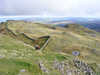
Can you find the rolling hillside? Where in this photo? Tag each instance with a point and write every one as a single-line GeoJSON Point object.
{"type": "Point", "coordinates": [57, 58]}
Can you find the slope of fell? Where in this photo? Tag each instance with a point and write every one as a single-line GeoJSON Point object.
{"type": "Point", "coordinates": [58, 52]}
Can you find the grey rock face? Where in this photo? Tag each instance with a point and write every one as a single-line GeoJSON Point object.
{"type": "Point", "coordinates": [59, 66]}
{"type": "Point", "coordinates": [65, 68]}
{"type": "Point", "coordinates": [76, 67]}
{"type": "Point", "coordinates": [84, 67]}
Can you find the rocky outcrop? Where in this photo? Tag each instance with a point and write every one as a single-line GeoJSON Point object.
{"type": "Point", "coordinates": [43, 68]}
{"type": "Point", "coordinates": [59, 66]}
{"type": "Point", "coordinates": [65, 68]}
{"type": "Point", "coordinates": [75, 67]}
{"type": "Point", "coordinates": [85, 68]}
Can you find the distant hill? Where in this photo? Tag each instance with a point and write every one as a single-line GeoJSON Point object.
{"type": "Point", "coordinates": [91, 23]}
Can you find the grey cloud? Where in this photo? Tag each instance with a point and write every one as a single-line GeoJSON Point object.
{"type": "Point", "coordinates": [50, 7]}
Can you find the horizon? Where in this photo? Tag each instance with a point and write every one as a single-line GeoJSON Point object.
{"type": "Point", "coordinates": [39, 16]}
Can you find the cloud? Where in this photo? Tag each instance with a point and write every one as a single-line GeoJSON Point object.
{"type": "Point", "coordinates": [73, 8]}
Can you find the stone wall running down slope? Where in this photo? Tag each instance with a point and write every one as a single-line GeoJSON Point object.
{"type": "Point", "coordinates": [38, 43]}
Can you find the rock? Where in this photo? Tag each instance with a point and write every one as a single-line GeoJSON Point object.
{"type": "Point", "coordinates": [68, 72]}
{"type": "Point", "coordinates": [77, 72]}
{"type": "Point", "coordinates": [78, 68]}
{"type": "Point", "coordinates": [22, 70]}
{"type": "Point", "coordinates": [43, 68]}
{"type": "Point", "coordinates": [84, 67]}
{"type": "Point", "coordinates": [62, 67]}
{"type": "Point", "coordinates": [2, 56]}
{"type": "Point", "coordinates": [59, 66]}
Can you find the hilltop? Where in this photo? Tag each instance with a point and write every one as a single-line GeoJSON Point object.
{"type": "Point", "coordinates": [17, 57]}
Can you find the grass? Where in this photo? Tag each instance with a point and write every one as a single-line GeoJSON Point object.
{"type": "Point", "coordinates": [13, 67]}
{"type": "Point", "coordinates": [18, 55]}
{"type": "Point", "coordinates": [23, 37]}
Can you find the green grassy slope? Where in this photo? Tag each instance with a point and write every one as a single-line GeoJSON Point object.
{"type": "Point", "coordinates": [16, 55]}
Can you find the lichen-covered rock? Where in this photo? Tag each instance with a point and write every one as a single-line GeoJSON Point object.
{"type": "Point", "coordinates": [65, 68]}
{"type": "Point", "coordinates": [60, 66]}
{"type": "Point", "coordinates": [84, 67]}
{"type": "Point", "coordinates": [43, 68]}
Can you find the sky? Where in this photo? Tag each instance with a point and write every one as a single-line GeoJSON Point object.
{"type": "Point", "coordinates": [66, 8]}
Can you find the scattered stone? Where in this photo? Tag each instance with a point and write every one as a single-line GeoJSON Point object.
{"type": "Point", "coordinates": [43, 68]}
{"type": "Point", "coordinates": [2, 56]}
{"type": "Point", "coordinates": [59, 66]}
{"type": "Point", "coordinates": [77, 72]}
{"type": "Point", "coordinates": [67, 68]}
{"type": "Point", "coordinates": [22, 70]}
{"type": "Point", "coordinates": [68, 72]}
{"type": "Point", "coordinates": [84, 67]}
{"type": "Point", "coordinates": [62, 67]}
